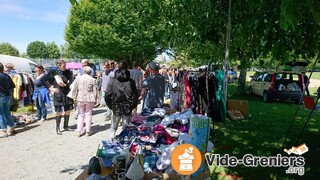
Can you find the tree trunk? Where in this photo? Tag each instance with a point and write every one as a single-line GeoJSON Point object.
{"type": "Point", "coordinates": [242, 81]}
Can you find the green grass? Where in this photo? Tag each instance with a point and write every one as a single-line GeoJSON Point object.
{"type": "Point", "coordinates": [262, 134]}
{"type": "Point", "coordinates": [315, 75]}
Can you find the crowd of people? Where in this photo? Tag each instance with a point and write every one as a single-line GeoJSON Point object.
{"type": "Point", "coordinates": [118, 90]}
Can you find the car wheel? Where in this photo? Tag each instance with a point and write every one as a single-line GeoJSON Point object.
{"type": "Point", "coordinates": [250, 90]}
{"type": "Point", "coordinates": [267, 96]}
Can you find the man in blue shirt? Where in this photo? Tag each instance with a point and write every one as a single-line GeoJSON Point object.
{"type": "Point", "coordinates": [156, 85]}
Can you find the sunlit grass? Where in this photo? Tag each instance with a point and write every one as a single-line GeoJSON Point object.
{"type": "Point", "coordinates": [263, 134]}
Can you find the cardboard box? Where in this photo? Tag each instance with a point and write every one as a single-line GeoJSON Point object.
{"type": "Point", "coordinates": [239, 105]}
{"type": "Point", "coordinates": [235, 115]}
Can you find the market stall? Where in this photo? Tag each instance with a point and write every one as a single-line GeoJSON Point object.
{"type": "Point", "coordinates": [143, 149]}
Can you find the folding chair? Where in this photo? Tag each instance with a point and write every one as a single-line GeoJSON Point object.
{"type": "Point", "coordinates": [310, 104]}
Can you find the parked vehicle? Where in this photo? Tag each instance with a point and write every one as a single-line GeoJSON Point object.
{"type": "Point", "coordinates": [75, 67]}
{"type": "Point", "coordinates": [286, 85]}
{"type": "Point", "coordinates": [232, 75]}
{"type": "Point", "coordinates": [20, 64]}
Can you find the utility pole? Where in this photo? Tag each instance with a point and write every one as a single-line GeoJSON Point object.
{"type": "Point", "coordinates": [226, 61]}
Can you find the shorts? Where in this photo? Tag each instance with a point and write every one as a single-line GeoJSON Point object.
{"type": "Point", "coordinates": [65, 108]}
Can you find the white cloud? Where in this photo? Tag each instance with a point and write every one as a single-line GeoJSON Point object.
{"type": "Point", "coordinates": [43, 12]}
{"type": "Point", "coordinates": [10, 8]}
{"type": "Point", "coordinates": [55, 16]}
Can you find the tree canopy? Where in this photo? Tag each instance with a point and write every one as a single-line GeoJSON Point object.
{"type": "Point", "coordinates": [262, 31]}
{"type": "Point", "coordinates": [8, 49]}
{"type": "Point", "coordinates": [112, 29]}
{"type": "Point", "coordinates": [37, 49]}
{"type": "Point", "coordinates": [53, 50]}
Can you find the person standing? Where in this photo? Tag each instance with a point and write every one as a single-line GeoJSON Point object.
{"type": "Point", "coordinates": [155, 84]}
{"type": "Point", "coordinates": [136, 75]}
{"type": "Point", "coordinates": [6, 88]}
{"type": "Point", "coordinates": [121, 97]}
{"type": "Point", "coordinates": [99, 85]}
{"type": "Point", "coordinates": [144, 91]}
{"type": "Point", "coordinates": [85, 62]}
{"type": "Point", "coordinates": [41, 96]}
{"type": "Point", "coordinates": [105, 80]}
{"type": "Point", "coordinates": [306, 82]}
{"type": "Point", "coordinates": [60, 80]}
{"type": "Point", "coordinates": [10, 69]}
{"type": "Point", "coordinates": [86, 88]}
{"type": "Point", "coordinates": [166, 78]}
{"type": "Point", "coordinates": [171, 79]}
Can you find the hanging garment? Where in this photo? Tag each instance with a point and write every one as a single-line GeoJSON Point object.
{"type": "Point", "coordinates": [220, 96]}
{"type": "Point", "coordinates": [187, 91]}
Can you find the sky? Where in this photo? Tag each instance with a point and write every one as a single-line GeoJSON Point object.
{"type": "Point", "coordinates": [25, 21]}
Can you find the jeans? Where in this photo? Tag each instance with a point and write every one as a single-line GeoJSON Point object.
{"type": "Point", "coordinates": [85, 114]}
{"type": "Point", "coordinates": [167, 90]}
{"type": "Point", "coordinates": [115, 122]}
{"type": "Point", "coordinates": [41, 107]}
{"type": "Point", "coordinates": [5, 117]}
{"type": "Point", "coordinates": [102, 101]}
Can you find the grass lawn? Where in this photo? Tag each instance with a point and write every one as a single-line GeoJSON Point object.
{"type": "Point", "coordinates": [315, 75]}
{"type": "Point", "coordinates": [262, 134]}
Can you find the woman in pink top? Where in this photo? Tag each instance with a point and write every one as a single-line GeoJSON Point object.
{"type": "Point", "coordinates": [86, 88]}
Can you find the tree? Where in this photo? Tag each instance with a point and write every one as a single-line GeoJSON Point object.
{"type": "Point", "coordinates": [279, 30]}
{"type": "Point", "coordinates": [116, 30]}
{"type": "Point", "coordinates": [258, 33]}
{"type": "Point", "coordinates": [53, 50]}
{"type": "Point", "coordinates": [37, 49]}
{"type": "Point", "coordinates": [65, 51]}
{"type": "Point", "coordinates": [293, 12]}
{"type": "Point", "coordinates": [8, 49]}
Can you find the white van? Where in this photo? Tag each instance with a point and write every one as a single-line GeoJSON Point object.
{"type": "Point", "coordinates": [20, 64]}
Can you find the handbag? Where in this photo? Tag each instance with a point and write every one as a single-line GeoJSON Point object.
{"type": "Point", "coordinates": [73, 93]}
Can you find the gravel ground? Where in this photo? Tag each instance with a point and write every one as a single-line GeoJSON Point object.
{"type": "Point", "coordinates": [36, 152]}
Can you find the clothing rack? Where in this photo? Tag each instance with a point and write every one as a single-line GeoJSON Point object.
{"type": "Point", "coordinates": [207, 72]}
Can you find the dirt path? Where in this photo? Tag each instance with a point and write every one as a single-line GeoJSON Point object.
{"type": "Point", "coordinates": [36, 152]}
